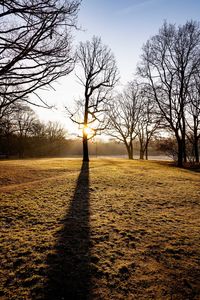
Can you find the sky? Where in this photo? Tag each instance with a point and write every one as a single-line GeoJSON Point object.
{"type": "Point", "coordinates": [124, 26]}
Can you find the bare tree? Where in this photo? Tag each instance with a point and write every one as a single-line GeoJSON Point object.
{"type": "Point", "coordinates": [16, 126]}
{"type": "Point", "coordinates": [23, 134]}
{"type": "Point", "coordinates": [6, 132]}
{"type": "Point", "coordinates": [54, 131]}
{"type": "Point", "coordinates": [35, 45]}
{"type": "Point", "coordinates": [169, 60]}
{"type": "Point", "coordinates": [123, 117]}
{"type": "Point", "coordinates": [193, 121]}
{"type": "Point", "coordinates": [148, 119]}
{"type": "Point", "coordinates": [23, 119]}
{"type": "Point", "coordinates": [99, 76]}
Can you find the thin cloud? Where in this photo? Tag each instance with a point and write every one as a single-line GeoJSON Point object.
{"type": "Point", "coordinates": [131, 8]}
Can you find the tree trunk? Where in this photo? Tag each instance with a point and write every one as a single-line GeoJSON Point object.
{"type": "Point", "coordinates": [196, 141]}
{"type": "Point", "coordinates": [130, 156]}
{"type": "Point", "coordinates": [180, 152]}
{"type": "Point", "coordinates": [146, 152]}
{"type": "Point", "coordinates": [8, 146]}
{"type": "Point", "coordinates": [21, 146]}
{"type": "Point", "coordinates": [141, 154]}
{"type": "Point", "coordinates": [130, 153]}
{"type": "Point", "coordinates": [85, 136]}
{"type": "Point", "coordinates": [196, 150]}
{"type": "Point", "coordinates": [129, 149]}
{"type": "Point", "coordinates": [184, 145]}
{"type": "Point", "coordinates": [85, 148]}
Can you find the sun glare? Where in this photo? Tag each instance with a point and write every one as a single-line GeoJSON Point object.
{"type": "Point", "coordinates": [88, 131]}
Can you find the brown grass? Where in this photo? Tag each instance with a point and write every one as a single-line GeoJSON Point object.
{"type": "Point", "coordinates": [117, 230]}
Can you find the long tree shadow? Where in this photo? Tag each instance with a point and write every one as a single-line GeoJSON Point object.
{"type": "Point", "coordinates": [69, 272]}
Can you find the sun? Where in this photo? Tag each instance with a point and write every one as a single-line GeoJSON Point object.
{"type": "Point", "coordinates": [88, 131]}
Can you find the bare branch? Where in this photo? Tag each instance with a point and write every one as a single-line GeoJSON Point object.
{"type": "Point", "coordinates": [35, 45]}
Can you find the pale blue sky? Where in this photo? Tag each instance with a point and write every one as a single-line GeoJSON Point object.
{"type": "Point", "coordinates": [124, 25]}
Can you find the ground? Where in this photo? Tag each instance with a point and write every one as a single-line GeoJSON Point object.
{"type": "Point", "coordinates": [110, 229]}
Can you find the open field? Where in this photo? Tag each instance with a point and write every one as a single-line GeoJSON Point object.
{"type": "Point", "coordinates": [113, 229]}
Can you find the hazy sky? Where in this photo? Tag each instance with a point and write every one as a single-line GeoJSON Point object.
{"type": "Point", "coordinates": [124, 25]}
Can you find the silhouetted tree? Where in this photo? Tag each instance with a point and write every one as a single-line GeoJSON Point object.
{"type": "Point", "coordinates": [148, 119]}
{"type": "Point", "coordinates": [7, 131]}
{"type": "Point", "coordinates": [23, 119]}
{"type": "Point", "coordinates": [98, 78]}
{"type": "Point", "coordinates": [23, 134]}
{"type": "Point", "coordinates": [169, 61]}
{"type": "Point", "coordinates": [168, 145]}
{"type": "Point", "coordinates": [123, 116]}
{"type": "Point", "coordinates": [35, 45]}
{"type": "Point", "coordinates": [193, 121]}
{"type": "Point", "coordinates": [54, 131]}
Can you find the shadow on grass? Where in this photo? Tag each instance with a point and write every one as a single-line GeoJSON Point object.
{"type": "Point", "coordinates": [69, 273]}
{"type": "Point", "coordinates": [193, 167]}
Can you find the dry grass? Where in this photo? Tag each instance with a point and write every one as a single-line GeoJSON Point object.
{"type": "Point", "coordinates": [116, 230]}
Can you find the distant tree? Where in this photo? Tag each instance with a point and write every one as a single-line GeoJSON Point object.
{"type": "Point", "coordinates": [148, 119]}
{"type": "Point", "coordinates": [168, 145]}
{"type": "Point", "coordinates": [54, 131]}
{"type": "Point", "coordinates": [123, 116]}
{"type": "Point", "coordinates": [15, 125]}
{"type": "Point", "coordinates": [38, 129]}
{"type": "Point", "coordinates": [6, 111]}
{"type": "Point", "coordinates": [46, 139]}
{"type": "Point", "coordinates": [99, 76]}
{"type": "Point", "coordinates": [23, 134]}
{"type": "Point", "coordinates": [193, 120]}
{"type": "Point", "coordinates": [6, 135]}
{"type": "Point", "coordinates": [169, 61]}
{"type": "Point", "coordinates": [23, 120]}
{"type": "Point", "coordinates": [35, 46]}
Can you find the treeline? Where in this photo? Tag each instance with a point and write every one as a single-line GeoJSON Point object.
{"type": "Point", "coordinates": [23, 135]}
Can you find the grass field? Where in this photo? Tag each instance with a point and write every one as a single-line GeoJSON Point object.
{"type": "Point", "coordinates": [113, 229]}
